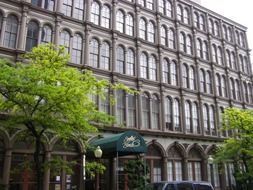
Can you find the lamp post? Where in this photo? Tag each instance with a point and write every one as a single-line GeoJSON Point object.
{"type": "Point", "coordinates": [210, 162]}
{"type": "Point", "coordinates": [98, 154]}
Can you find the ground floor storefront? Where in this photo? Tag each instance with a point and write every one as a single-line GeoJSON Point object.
{"type": "Point", "coordinates": [166, 158]}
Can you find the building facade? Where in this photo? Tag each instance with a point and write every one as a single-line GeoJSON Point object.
{"type": "Point", "coordinates": [188, 63]}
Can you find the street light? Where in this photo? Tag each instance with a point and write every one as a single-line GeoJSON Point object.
{"type": "Point", "coordinates": [210, 162]}
{"type": "Point", "coordinates": [98, 154]}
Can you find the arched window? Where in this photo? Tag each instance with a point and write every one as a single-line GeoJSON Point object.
{"type": "Point", "coordinates": [205, 51]}
{"type": "Point", "coordinates": [163, 36]}
{"type": "Point", "coordinates": [152, 68]}
{"type": "Point", "coordinates": [185, 76]}
{"type": "Point", "coordinates": [232, 88]}
{"type": "Point", "coordinates": [166, 73]}
{"type": "Point", "coordinates": [211, 26]}
{"type": "Point", "coordinates": [182, 41]}
{"type": "Point", "coordinates": [176, 109]}
{"type": "Point", "coordinates": [169, 11]}
{"type": "Point", "coordinates": [131, 122]}
{"type": "Point", "coordinates": [202, 80]}
{"type": "Point", "coordinates": [233, 61]}
{"type": "Point", "coordinates": [241, 61]}
{"type": "Point", "coordinates": [228, 57]}
{"type": "Point", "coordinates": [168, 114]}
{"type": "Point", "coordinates": [65, 39]}
{"type": "Point", "coordinates": [192, 78]}
{"type": "Point", "coordinates": [32, 35]}
{"type": "Point", "coordinates": [144, 66]}
{"type": "Point", "coordinates": [208, 83]}
{"type": "Point", "coordinates": [180, 13]}
{"type": "Point", "coordinates": [195, 118]}
{"type": "Point", "coordinates": [196, 19]}
{"type": "Point", "coordinates": [106, 16]}
{"type": "Point", "coordinates": [223, 86]}
{"type": "Point", "coordinates": [151, 32]}
{"type": "Point", "coordinates": [173, 71]}
{"type": "Point", "coordinates": [67, 7]}
{"type": "Point", "coordinates": [188, 117]}
{"type": "Point", "coordinates": [49, 5]}
{"type": "Point", "coordinates": [189, 44]}
{"type": "Point", "coordinates": [230, 37]}
{"type": "Point", "coordinates": [77, 49]}
{"type": "Point", "coordinates": [212, 120]}
{"type": "Point", "coordinates": [186, 16]}
{"type": "Point", "coordinates": [171, 38]}
{"type": "Point", "coordinates": [155, 112]}
{"type": "Point", "coordinates": [120, 66]}
{"type": "Point", "coordinates": [145, 111]}
{"type": "Point", "coordinates": [142, 29]}
{"type": "Point", "coordinates": [120, 21]}
{"type": "Point", "coordinates": [150, 4]}
{"type": "Point", "coordinates": [130, 67]}
{"type": "Point", "coordinates": [202, 25]}
{"type": "Point", "coordinates": [161, 7]}
{"type": "Point", "coordinates": [216, 29]}
{"type": "Point", "coordinates": [206, 119]}
{"type": "Point", "coordinates": [174, 165]}
{"type": "Point", "coordinates": [121, 106]}
{"type": "Point", "coordinates": [46, 34]}
{"type": "Point", "coordinates": [225, 32]}
{"type": "Point", "coordinates": [94, 53]}
{"type": "Point", "coordinates": [237, 90]}
{"type": "Point", "coordinates": [246, 70]}
{"type": "Point", "coordinates": [237, 38]}
{"type": "Point", "coordinates": [105, 56]}
{"type": "Point", "coordinates": [245, 89]}
{"type": "Point", "coordinates": [199, 48]}
{"type": "Point", "coordinates": [242, 39]}
{"type": "Point", "coordinates": [11, 31]}
{"type": "Point", "coordinates": [214, 52]}
{"type": "Point", "coordinates": [218, 85]}
{"type": "Point", "coordinates": [79, 9]}
{"type": "Point", "coordinates": [219, 56]}
{"type": "Point", "coordinates": [105, 103]}
{"type": "Point", "coordinates": [95, 13]}
{"type": "Point", "coordinates": [194, 165]}
{"type": "Point", "coordinates": [129, 25]}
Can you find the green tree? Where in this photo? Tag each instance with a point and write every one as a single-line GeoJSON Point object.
{"type": "Point", "coordinates": [239, 147]}
{"type": "Point", "coordinates": [43, 94]}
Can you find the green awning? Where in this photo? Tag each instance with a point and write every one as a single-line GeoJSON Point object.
{"type": "Point", "coordinates": [127, 143]}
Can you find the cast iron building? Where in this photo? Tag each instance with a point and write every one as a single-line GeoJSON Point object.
{"type": "Point", "coordinates": [188, 63]}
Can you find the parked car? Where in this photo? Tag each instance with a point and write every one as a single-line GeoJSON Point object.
{"type": "Point", "coordinates": [179, 185]}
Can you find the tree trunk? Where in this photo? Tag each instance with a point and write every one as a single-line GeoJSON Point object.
{"type": "Point", "coordinates": [38, 163]}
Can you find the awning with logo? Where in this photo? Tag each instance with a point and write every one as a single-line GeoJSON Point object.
{"type": "Point", "coordinates": [122, 144]}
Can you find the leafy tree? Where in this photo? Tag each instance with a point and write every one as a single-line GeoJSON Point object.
{"type": "Point", "coordinates": [239, 147]}
{"type": "Point", "coordinates": [43, 94]}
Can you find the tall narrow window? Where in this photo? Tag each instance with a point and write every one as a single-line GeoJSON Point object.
{"type": "Point", "coordinates": [185, 75]}
{"type": "Point", "coordinates": [130, 62]}
{"type": "Point", "coordinates": [105, 56]}
{"type": "Point", "coordinates": [219, 56]}
{"type": "Point", "coordinates": [67, 7]}
{"type": "Point", "coordinates": [105, 103]}
{"type": "Point", "coordinates": [186, 16]}
{"type": "Point", "coordinates": [120, 21]}
{"type": "Point", "coordinates": [199, 48]}
{"type": "Point", "coordinates": [120, 67]}
{"type": "Point", "coordinates": [211, 26]}
{"type": "Point", "coordinates": [212, 120]}
{"type": "Point", "coordinates": [78, 11]}
{"type": "Point", "coordinates": [152, 68]}
{"type": "Point", "coordinates": [182, 41]}
{"type": "Point", "coordinates": [145, 111]}
{"type": "Point", "coordinates": [173, 69]}
{"type": "Point", "coordinates": [11, 31]}
{"type": "Point", "coordinates": [106, 17]}
{"type": "Point", "coordinates": [121, 107]}
{"type": "Point", "coordinates": [129, 25]}
{"type": "Point", "coordinates": [49, 5]}
{"type": "Point", "coordinates": [205, 51]}
{"type": "Point", "coordinates": [179, 13]}
{"type": "Point", "coordinates": [168, 114]}
{"type": "Point", "coordinates": [46, 35]}
{"type": "Point", "coordinates": [94, 53]}
{"type": "Point", "coordinates": [223, 86]}
{"type": "Point", "coordinates": [205, 118]}
{"type": "Point", "coordinates": [155, 112]}
{"type": "Point", "coordinates": [192, 78]}
{"type": "Point", "coordinates": [218, 85]}
{"type": "Point", "coordinates": [150, 4]}
{"type": "Point", "coordinates": [151, 32]}
{"type": "Point", "coordinates": [195, 118]}
{"type": "Point", "coordinates": [171, 38]}
{"type": "Point", "coordinates": [189, 44]}
{"type": "Point", "coordinates": [1, 21]}
{"type": "Point", "coordinates": [169, 12]}
{"type": "Point", "coordinates": [32, 35]}
{"type": "Point", "coordinates": [144, 66]}
{"type": "Point", "coordinates": [237, 90]}
{"type": "Point", "coordinates": [202, 80]}
{"type": "Point", "coordinates": [214, 52]}
{"type": "Point", "coordinates": [216, 29]}
{"type": "Point", "coordinates": [166, 74]}
{"type": "Point", "coordinates": [65, 40]}
{"type": "Point", "coordinates": [95, 13]}
{"type": "Point", "coordinates": [232, 88]}
{"type": "Point", "coordinates": [161, 7]}
{"type": "Point", "coordinates": [209, 83]}
{"type": "Point", "coordinates": [196, 19]}
{"type": "Point", "coordinates": [177, 115]}
{"type": "Point", "coordinates": [202, 23]}
{"type": "Point", "coordinates": [142, 29]}
{"type": "Point", "coordinates": [131, 110]}
{"type": "Point", "coordinates": [77, 49]}
{"type": "Point", "coordinates": [188, 116]}
{"type": "Point", "coordinates": [163, 36]}
{"type": "Point", "coordinates": [230, 37]}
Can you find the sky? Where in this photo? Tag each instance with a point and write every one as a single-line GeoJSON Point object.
{"type": "Point", "coordinates": [238, 11]}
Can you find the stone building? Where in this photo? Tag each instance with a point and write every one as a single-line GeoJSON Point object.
{"type": "Point", "coordinates": [188, 62]}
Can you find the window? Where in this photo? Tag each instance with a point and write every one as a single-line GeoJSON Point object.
{"type": "Point", "coordinates": [218, 85]}
{"type": "Point", "coordinates": [219, 56]}
{"type": "Point", "coordinates": [242, 39]}
{"type": "Point", "coordinates": [202, 25]}
{"type": "Point", "coordinates": [32, 35]}
{"type": "Point", "coordinates": [161, 7]}
{"type": "Point", "coordinates": [106, 17]}
{"type": "Point", "coordinates": [195, 118]}
{"type": "Point", "coordinates": [163, 36]}
{"type": "Point", "coordinates": [212, 120]}
{"type": "Point", "coordinates": [150, 4]}
{"type": "Point", "coordinates": [230, 37]}
{"type": "Point", "coordinates": [79, 8]}
{"type": "Point", "coordinates": [46, 35]}
{"type": "Point", "coordinates": [10, 35]}
{"type": "Point", "coordinates": [188, 116]}
{"type": "Point", "coordinates": [1, 22]}
{"type": "Point", "coordinates": [202, 80]}
{"type": "Point", "coordinates": [131, 110]}
{"type": "Point", "coordinates": [120, 67]}
{"type": "Point", "coordinates": [144, 66]}
{"type": "Point", "coordinates": [67, 7]}
{"type": "Point", "coordinates": [176, 109]}
{"type": "Point", "coordinates": [223, 86]}
{"type": "Point", "coordinates": [205, 51]}
{"type": "Point", "coordinates": [173, 70]}
{"type": "Point", "coordinates": [65, 40]}
{"type": "Point", "coordinates": [199, 48]}
{"type": "Point", "coordinates": [77, 49]}
{"type": "Point", "coordinates": [169, 12]}
{"type": "Point", "coordinates": [95, 13]}
{"type": "Point", "coordinates": [211, 26]}
{"type": "Point", "coordinates": [151, 32]}
{"type": "Point", "coordinates": [168, 113]}
{"type": "Point", "coordinates": [225, 32]}
{"type": "Point", "coordinates": [36, 2]}
{"type": "Point", "coordinates": [142, 29]}
{"type": "Point", "coordinates": [196, 19]}
{"type": "Point", "coordinates": [216, 29]}
{"type": "Point", "coordinates": [120, 21]}
{"type": "Point", "coordinates": [171, 38]}
{"type": "Point", "coordinates": [237, 90]}
{"type": "Point", "coordinates": [105, 56]}
{"type": "Point", "coordinates": [185, 75]}
{"type": "Point", "coordinates": [232, 88]}
{"type": "Point", "coordinates": [49, 4]}
{"type": "Point", "coordinates": [180, 13]}
{"type": "Point", "coordinates": [189, 44]}
{"type": "Point", "coordinates": [214, 51]}
{"type": "Point", "coordinates": [94, 53]}
{"type": "Point", "coordinates": [208, 83]}
{"type": "Point", "coordinates": [166, 73]}
{"type": "Point", "coordinates": [155, 112]}
{"type": "Point", "coordinates": [182, 41]}
{"type": "Point", "coordinates": [129, 25]}
{"type": "Point", "coordinates": [206, 119]}
{"type": "Point", "coordinates": [120, 107]}
{"type": "Point", "coordinates": [130, 67]}
{"type": "Point", "coordinates": [145, 111]}
{"type": "Point", "coordinates": [105, 103]}
{"type": "Point", "coordinates": [246, 70]}
{"type": "Point", "coordinates": [152, 68]}
{"type": "Point", "coordinates": [192, 78]}
{"type": "Point", "coordinates": [186, 16]}
{"type": "Point", "coordinates": [174, 166]}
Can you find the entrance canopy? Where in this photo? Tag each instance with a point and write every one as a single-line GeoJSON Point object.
{"type": "Point", "coordinates": [127, 143]}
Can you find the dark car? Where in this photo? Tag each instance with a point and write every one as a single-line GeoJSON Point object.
{"type": "Point", "coordinates": [179, 185]}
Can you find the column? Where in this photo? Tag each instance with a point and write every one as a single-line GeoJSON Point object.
{"type": "Point", "coordinates": [204, 170]}
{"type": "Point", "coordinates": [7, 168]}
{"type": "Point", "coordinates": [162, 110]}
{"type": "Point", "coordinates": [39, 34]}
{"type": "Point", "coordinates": [201, 121]}
{"type": "Point", "coordinates": [182, 110]}
{"type": "Point", "coordinates": [185, 168]}
{"type": "Point", "coordinates": [139, 105]}
{"type": "Point", "coordinates": [114, 41]}
{"type": "Point", "coordinates": [22, 31]}
{"type": "Point", "coordinates": [88, 10]}
{"type": "Point", "coordinates": [46, 178]}
{"type": "Point", "coordinates": [2, 31]}
{"type": "Point", "coordinates": [126, 109]}
{"type": "Point", "coordinates": [164, 169]}
{"type": "Point", "coordinates": [114, 4]}
{"type": "Point", "coordinates": [59, 5]}
{"type": "Point", "coordinates": [57, 30]}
